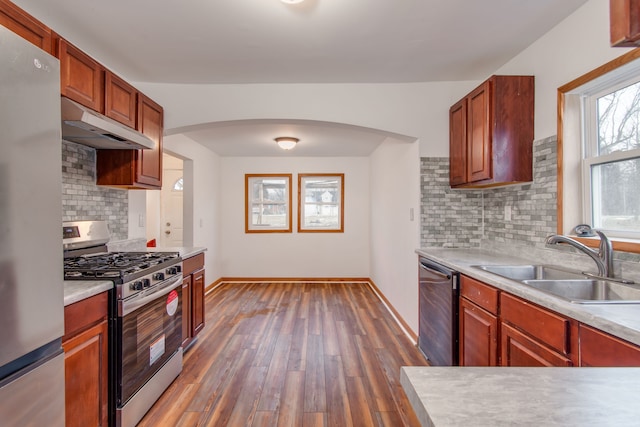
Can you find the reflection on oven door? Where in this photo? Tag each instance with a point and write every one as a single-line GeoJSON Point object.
{"type": "Point", "coordinates": [150, 336]}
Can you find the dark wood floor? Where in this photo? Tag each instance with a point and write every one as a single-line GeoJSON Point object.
{"type": "Point", "coordinates": [292, 354]}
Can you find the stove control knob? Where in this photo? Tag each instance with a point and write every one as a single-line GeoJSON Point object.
{"type": "Point", "coordinates": [178, 268]}
{"type": "Point", "coordinates": [172, 270]}
{"type": "Point", "coordinates": [138, 285]}
{"type": "Point", "coordinates": [146, 283]}
{"type": "Point", "coordinates": [158, 276]}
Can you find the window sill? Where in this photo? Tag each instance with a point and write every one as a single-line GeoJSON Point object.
{"type": "Point", "coordinates": [619, 244]}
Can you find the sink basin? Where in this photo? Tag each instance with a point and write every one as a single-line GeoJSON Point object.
{"type": "Point", "coordinates": [588, 291]}
{"type": "Point", "coordinates": [571, 285]}
{"type": "Point", "coordinates": [531, 272]}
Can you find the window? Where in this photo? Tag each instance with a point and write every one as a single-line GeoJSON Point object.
{"type": "Point", "coordinates": [268, 203]}
{"type": "Point", "coordinates": [599, 152]}
{"type": "Point", "coordinates": [178, 185]}
{"type": "Point", "coordinates": [611, 161]}
{"type": "Point", "coordinates": [321, 203]}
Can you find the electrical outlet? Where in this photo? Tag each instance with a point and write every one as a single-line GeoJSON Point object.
{"type": "Point", "coordinates": [507, 213]}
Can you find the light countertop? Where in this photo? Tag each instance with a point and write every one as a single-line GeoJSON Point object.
{"type": "Point", "coordinates": [455, 396]}
{"type": "Point", "coordinates": [185, 251]}
{"type": "Point", "coordinates": [621, 320]}
{"type": "Point", "coordinates": [77, 290]}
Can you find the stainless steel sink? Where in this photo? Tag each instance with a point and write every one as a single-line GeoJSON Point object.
{"type": "Point", "coordinates": [589, 291]}
{"type": "Point", "coordinates": [570, 285]}
{"type": "Point", "coordinates": [531, 272]}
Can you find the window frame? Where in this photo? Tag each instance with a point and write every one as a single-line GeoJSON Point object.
{"type": "Point", "coordinates": [590, 146]}
{"type": "Point", "coordinates": [568, 136]}
{"type": "Point", "coordinates": [302, 228]}
{"type": "Point", "coordinates": [249, 227]}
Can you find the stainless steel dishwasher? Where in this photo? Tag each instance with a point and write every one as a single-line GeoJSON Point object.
{"type": "Point", "coordinates": [438, 313]}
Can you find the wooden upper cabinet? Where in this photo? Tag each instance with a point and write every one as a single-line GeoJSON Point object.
{"type": "Point", "coordinates": [150, 123]}
{"type": "Point", "coordinates": [135, 169]}
{"type": "Point", "coordinates": [25, 25]}
{"type": "Point", "coordinates": [479, 134]}
{"type": "Point", "coordinates": [81, 77]}
{"type": "Point", "coordinates": [624, 16]}
{"type": "Point", "coordinates": [458, 143]}
{"type": "Point", "coordinates": [491, 134]}
{"type": "Point", "coordinates": [120, 100]}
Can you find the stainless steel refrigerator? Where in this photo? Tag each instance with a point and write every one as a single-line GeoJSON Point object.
{"type": "Point", "coordinates": [31, 277]}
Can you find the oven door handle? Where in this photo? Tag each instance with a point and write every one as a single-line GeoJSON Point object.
{"type": "Point", "coordinates": [128, 306]}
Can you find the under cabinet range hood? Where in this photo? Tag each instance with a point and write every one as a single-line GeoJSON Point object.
{"type": "Point", "coordinates": [87, 127]}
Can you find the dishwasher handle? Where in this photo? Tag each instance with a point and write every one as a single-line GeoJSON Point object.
{"type": "Point", "coordinates": [434, 269]}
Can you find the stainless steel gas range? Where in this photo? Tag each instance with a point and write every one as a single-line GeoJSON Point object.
{"type": "Point", "coordinates": [145, 316]}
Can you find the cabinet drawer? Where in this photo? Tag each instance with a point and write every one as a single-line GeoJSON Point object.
{"type": "Point", "coordinates": [192, 264]}
{"type": "Point", "coordinates": [83, 314]}
{"type": "Point", "coordinates": [483, 295]}
{"type": "Point", "coordinates": [544, 325]}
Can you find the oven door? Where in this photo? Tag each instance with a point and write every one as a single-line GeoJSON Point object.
{"type": "Point", "coordinates": [149, 331]}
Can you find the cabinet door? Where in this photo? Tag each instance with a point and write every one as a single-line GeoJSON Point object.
{"type": "Point", "coordinates": [81, 78]}
{"type": "Point", "coordinates": [197, 302]}
{"type": "Point", "coordinates": [518, 349]}
{"type": "Point", "coordinates": [86, 376]}
{"type": "Point", "coordinates": [135, 169]}
{"type": "Point", "coordinates": [479, 134]}
{"type": "Point", "coordinates": [624, 17]}
{"type": "Point", "coordinates": [186, 311]}
{"type": "Point", "coordinates": [25, 25]}
{"type": "Point", "coordinates": [600, 349]}
{"type": "Point", "coordinates": [120, 100]}
{"type": "Point", "coordinates": [458, 143]}
{"type": "Point", "coordinates": [478, 336]}
{"type": "Point", "coordinates": [150, 123]}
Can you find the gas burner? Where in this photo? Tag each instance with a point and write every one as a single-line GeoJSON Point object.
{"type": "Point", "coordinates": [120, 266]}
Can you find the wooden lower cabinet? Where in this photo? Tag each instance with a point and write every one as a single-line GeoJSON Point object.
{"type": "Point", "coordinates": [85, 346]}
{"type": "Point", "coordinates": [186, 310]}
{"type": "Point", "coordinates": [197, 302]}
{"type": "Point", "coordinates": [478, 335]}
{"type": "Point", "coordinates": [193, 300]}
{"type": "Point", "coordinates": [601, 349]}
{"type": "Point", "coordinates": [519, 349]}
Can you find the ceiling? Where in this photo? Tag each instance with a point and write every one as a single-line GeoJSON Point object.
{"type": "Point", "coordinates": [317, 41]}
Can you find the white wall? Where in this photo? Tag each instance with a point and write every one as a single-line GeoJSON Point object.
{"type": "Point", "coordinates": [295, 255]}
{"type": "Point", "coordinates": [395, 190]}
{"type": "Point", "coordinates": [574, 47]}
{"type": "Point", "coordinates": [418, 110]}
{"type": "Point", "coordinates": [201, 199]}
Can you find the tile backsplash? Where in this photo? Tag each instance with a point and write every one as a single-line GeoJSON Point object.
{"type": "Point", "coordinates": [463, 218]}
{"type": "Point", "coordinates": [477, 218]}
{"type": "Point", "coordinates": [82, 199]}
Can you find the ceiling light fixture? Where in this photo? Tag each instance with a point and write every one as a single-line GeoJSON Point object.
{"type": "Point", "coordinates": [286, 142]}
{"type": "Point", "coordinates": [291, 1]}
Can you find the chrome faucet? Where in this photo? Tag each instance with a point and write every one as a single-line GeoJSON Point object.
{"type": "Point", "coordinates": [603, 257]}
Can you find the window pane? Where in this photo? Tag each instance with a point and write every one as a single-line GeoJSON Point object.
{"type": "Point", "coordinates": [619, 120]}
{"type": "Point", "coordinates": [321, 202]}
{"type": "Point", "coordinates": [616, 199]}
{"type": "Point", "coordinates": [268, 200]}
{"type": "Point", "coordinates": [273, 190]}
{"type": "Point", "coordinates": [269, 215]}
{"type": "Point", "coordinates": [321, 216]}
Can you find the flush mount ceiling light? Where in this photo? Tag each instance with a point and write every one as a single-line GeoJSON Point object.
{"type": "Point", "coordinates": [291, 1]}
{"type": "Point", "coordinates": [286, 142]}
